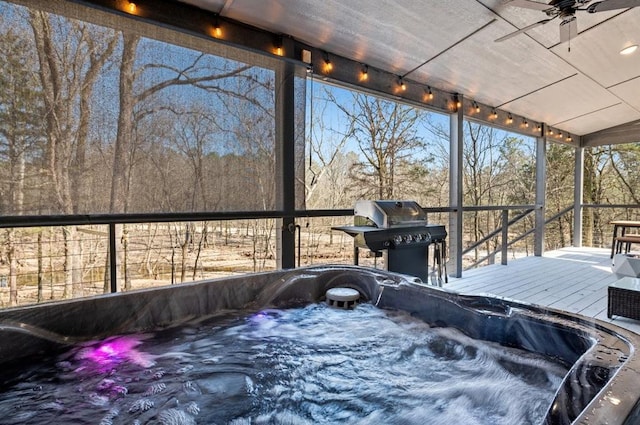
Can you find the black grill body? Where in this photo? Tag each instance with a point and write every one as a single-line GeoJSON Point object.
{"type": "Point", "coordinates": [398, 230]}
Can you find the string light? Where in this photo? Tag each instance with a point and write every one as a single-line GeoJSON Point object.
{"type": "Point", "coordinates": [217, 30]}
{"type": "Point", "coordinates": [401, 83]}
{"type": "Point", "coordinates": [509, 119]}
{"type": "Point", "coordinates": [364, 74]}
{"type": "Point", "coordinates": [476, 106]}
{"type": "Point", "coordinates": [550, 132]}
{"type": "Point", "coordinates": [539, 127]}
{"type": "Point", "coordinates": [494, 114]}
{"type": "Point", "coordinates": [278, 46]}
{"type": "Point", "coordinates": [525, 123]}
{"type": "Point", "coordinates": [456, 101]}
{"type": "Point", "coordinates": [131, 7]}
{"type": "Point", "coordinates": [428, 94]}
{"type": "Point", "coordinates": [569, 138]}
{"type": "Point", "coordinates": [328, 66]}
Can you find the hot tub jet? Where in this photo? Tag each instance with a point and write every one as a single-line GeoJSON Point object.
{"type": "Point", "coordinates": [345, 298]}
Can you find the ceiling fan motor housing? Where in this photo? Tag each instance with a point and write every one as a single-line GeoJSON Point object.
{"type": "Point", "coordinates": [564, 8]}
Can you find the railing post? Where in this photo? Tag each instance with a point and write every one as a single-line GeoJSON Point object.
{"type": "Point", "coordinates": [113, 258]}
{"type": "Point", "coordinates": [505, 237]}
{"type": "Point", "coordinates": [578, 195]}
{"type": "Point", "coordinates": [285, 163]}
{"type": "Point", "coordinates": [456, 135]}
{"type": "Point", "coordinates": [541, 193]}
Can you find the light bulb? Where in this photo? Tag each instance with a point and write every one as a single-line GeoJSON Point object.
{"type": "Point", "coordinates": [429, 94]}
{"type": "Point", "coordinates": [364, 74]}
{"type": "Point", "coordinates": [217, 31]}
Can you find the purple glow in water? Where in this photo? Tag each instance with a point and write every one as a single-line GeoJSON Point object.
{"type": "Point", "coordinates": [117, 350]}
{"type": "Point", "coordinates": [259, 316]}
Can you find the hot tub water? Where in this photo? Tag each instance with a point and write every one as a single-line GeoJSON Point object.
{"type": "Point", "coordinates": [304, 365]}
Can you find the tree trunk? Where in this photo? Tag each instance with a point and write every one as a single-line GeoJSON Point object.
{"type": "Point", "coordinates": [73, 285]}
{"type": "Point", "coordinates": [13, 267]}
{"type": "Point", "coordinates": [203, 236]}
{"type": "Point", "coordinates": [145, 267]}
{"type": "Point", "coordinates": [184, 245]}
{"type": "Point", "coordinates": [124, 138]}
{"type": "Point", "coordinates": [67, 75]}
{"type": "Point", "coordinates": [52, 277]}
{"type": "Point", "coordinates": [589, 184]}
{"type": "Point", "coordinates": [40, 268]}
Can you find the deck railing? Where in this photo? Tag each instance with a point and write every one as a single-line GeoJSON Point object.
{"type": "Point", "coordinates": [503, 230]}
{"type": "Point", "coordinates": [35, 253]}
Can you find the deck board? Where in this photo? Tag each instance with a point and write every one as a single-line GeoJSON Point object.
{"type": "Point", "coordinates": [569, 279]}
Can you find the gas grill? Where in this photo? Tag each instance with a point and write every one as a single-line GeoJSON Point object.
{"type": "Point", "coordinates": [398, 231]}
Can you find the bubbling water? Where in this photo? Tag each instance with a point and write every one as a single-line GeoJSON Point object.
{"type": "Point", "coordinates": [297, 366]}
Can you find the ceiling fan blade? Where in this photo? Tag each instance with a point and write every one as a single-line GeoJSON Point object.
{"type": "Point", "coordinates": [568, 29]}
{"type": "Point", "coordinates": [528, 4]}
{"type": "Point", "coordinates": [612, 5]}
{"type": "Point", "coordinates": [521, 30]}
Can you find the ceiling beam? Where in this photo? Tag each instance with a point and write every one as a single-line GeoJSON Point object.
{"type": "Point", "coordinates": [624, 133]}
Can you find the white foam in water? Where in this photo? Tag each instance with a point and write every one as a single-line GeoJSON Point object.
{"type": "Point", "coordinates": [300, 366]}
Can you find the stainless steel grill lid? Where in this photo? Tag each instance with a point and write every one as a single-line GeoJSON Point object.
{"type": "Point", "coordinates": [386, 214]}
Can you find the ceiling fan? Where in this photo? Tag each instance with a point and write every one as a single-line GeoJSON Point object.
{"type": "Point", "coordinates": [565, 10]}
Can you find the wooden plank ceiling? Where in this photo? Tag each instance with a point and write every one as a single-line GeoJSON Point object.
{"type": "Point", "coordinates": [583, 86]}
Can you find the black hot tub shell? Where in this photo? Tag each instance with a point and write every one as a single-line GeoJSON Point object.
{"type": "Point", "coordinates": [601, 387]}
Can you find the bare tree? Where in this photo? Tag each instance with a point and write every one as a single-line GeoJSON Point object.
{"type": "Point", "coordinates": [68, 72]}
{"type": "Point", "coordinates": [20, 139]}
{"type": "Point", "coordinates": [625, 161]}
{"type": "Point", "coordinates": [125, 135]}
{"type": "Point", "coordinates": [482, 176]}
{"type": "Point", "coordinates": [326, 147]}
{"type": "Point", "coordinates": [596, 166]}
{"type": "Point", "coordinates": [386, 135]}
{"type": "Point", "coordinates": [195, 139]}
{"type": "Point", "coordinates": [559, 193]}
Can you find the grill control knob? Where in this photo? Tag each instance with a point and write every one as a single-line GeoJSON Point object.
{"type": "Point", "coordinates": [397, 239]}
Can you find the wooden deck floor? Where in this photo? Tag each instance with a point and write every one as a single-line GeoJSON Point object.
{"type": "Point", "coordinates": [569, 279]}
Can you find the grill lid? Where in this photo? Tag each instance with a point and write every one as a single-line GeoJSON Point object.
{"type": "Point", "coordinates": [385, 214]}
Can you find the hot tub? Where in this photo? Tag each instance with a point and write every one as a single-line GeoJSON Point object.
{"type": "Point", "coordinates": [601, 385]}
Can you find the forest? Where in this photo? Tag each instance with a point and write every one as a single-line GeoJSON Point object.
{"type": "Point", "coordinates": [95, 120]}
